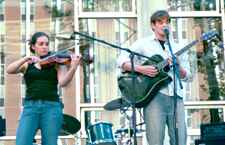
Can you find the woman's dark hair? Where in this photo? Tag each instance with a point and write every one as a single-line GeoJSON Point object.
{"type": "Point", "coordinates": [34, 38]}
{"type": "Point", "coordinates": [159, 15]}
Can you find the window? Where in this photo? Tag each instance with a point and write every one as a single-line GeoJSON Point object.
{"type": "Point", "coordinates": [1, 17]}
{"type": "Point", "coordinates": [192, 5]}
{"type": "Point", "coordinates": [107, 5]}
{"type": "Point", "coordinates": [102, 78]}
{"type": "Point", "coordinates": [2, 38]}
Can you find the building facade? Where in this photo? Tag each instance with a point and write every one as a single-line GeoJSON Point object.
{"type": "Point", "coordinates": [118, 22]}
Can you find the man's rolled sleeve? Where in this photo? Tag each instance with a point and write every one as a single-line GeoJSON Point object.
{"type": "Point", "coordinates": [186, 65]}
{"type": "Point", "coordinates": [122, 59]}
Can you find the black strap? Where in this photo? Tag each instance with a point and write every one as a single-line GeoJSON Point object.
{"type": "Point", "coordinates": [162, 44]}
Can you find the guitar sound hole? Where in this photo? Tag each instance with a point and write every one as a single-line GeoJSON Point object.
{"type": "Point", "coordinates": [166, 68]}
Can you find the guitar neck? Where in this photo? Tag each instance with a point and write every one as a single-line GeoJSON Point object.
{"type": "Point", "coordinates": [186, 47]}
{"type": "Point", "coordinates": [164, 63]}
{"type": "Point", "coordinates": [205, 36]}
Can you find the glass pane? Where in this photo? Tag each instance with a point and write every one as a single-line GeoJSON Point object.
{"type": "Point", "coordinates": [192, 5]}
{"type": "Point", "coordinates": [196, 117]}
{"type": "Point", "coordinates": [2, 91]}
{"type": "Point", "coordinates": [2, 7]}
{"type": "Point", "coordinates": [100, 77]}
{"type": "Point", "coordinates": [55, 18]}
{"type": "Point", "coordinates": [2, 29]}
{"type": "Point", "coordinates": [206, 58]}
{"type": "Point", "coordinates": [2, 77]}
{"type": "Point", "coordinates": [2, 64]}
{"type": "Point", "coordinates": [32, 10]}
{"type": "Point", "coordinates": [191, 139]}
{"type": "Point", "coordinates": [107, 5]}
{"type": "Point", "coordinates": [23, 8]}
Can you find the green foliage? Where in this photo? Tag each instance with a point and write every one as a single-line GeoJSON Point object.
{"type": "Point", "coordinates": [206, 65]}
{"type": "Point", "coordinates": [222, 84]}
{"type": "Point", "coordinates": [57, 13]}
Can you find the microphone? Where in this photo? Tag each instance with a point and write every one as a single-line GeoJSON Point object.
{"type": "Point", "coordinates": [166, 30]}
{"type": "Point", "coordinates": [65, 37]}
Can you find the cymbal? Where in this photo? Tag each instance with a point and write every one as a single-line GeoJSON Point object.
{"type": "Point", "coordinates": [118, 103]}
{"type": "Point", "coordinates": [70, 125]}
{"type": "Point", "coordinates": [125, 130]}
{"type": "Point", "coordinates": [129, 131]}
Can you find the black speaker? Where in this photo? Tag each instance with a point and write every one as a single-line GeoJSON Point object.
{"type": "Point", "coordinates": [212, 134]}
{"type": "Point", "coordinates": [210, 142]}
{"type": "Point", "coordinates": [2, 126]}
{"type": "Point", "coordinates": [213, 131]}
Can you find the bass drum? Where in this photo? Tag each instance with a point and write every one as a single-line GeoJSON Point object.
{"type": "Point", "coordinates": [101, 133]}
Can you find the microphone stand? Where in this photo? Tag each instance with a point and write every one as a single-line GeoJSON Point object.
{"type": "Point", "coordinates": [132, 54]}
{"type": "Point", "coordinates": [133, 102]}
{"type": "Point", "coordinates": [176, 75]}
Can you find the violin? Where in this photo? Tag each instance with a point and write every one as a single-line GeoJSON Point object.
{"type": "Point", "coordinates": [60, 58]}
{"type": "Point", "coordinates": [56, 58]}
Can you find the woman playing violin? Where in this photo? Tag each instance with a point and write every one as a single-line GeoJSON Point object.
{"type": "Point", "coordinates": [42, 106]}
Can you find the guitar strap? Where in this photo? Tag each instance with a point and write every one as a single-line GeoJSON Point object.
{"type": "Point", "coordinates": [162, 44]}
{"type": "Point", "coordinates": [164, 48]}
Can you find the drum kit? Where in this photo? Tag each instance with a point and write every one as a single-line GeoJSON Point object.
{"type": "Point", "coordinates": [70, 125]}
{"type": "Point", "coordinates": [100, 133]}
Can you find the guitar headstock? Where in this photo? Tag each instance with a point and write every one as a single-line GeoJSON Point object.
{"type": "Point", "coordinates": [205, 36]}
{"type": "Point", "coordinates": [209, 35]}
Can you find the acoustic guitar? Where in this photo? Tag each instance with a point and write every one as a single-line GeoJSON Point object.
{"type": "Point", "coordinates": [146, 87]}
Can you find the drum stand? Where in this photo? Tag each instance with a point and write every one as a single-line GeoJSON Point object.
{"type": "Point", "coordinates": [75, 137]}
{"type": "Point", "coordinates": [124, 134]}
{"type": "Point", "coordinates": [176, 75]}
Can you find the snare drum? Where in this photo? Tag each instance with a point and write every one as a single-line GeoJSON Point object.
{"type": "Point", "coordinates": [100, 133]}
